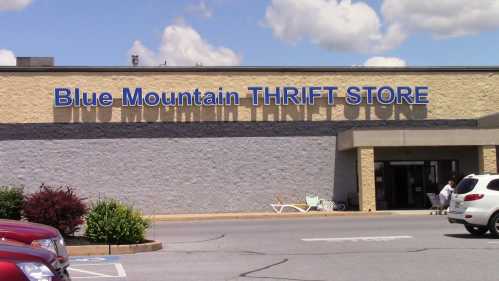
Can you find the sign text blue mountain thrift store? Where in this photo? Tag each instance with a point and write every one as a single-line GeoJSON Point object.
{"type": "Point", "coordinates": [259, 95]}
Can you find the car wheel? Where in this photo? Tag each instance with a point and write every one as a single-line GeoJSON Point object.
{"type": "Point", "coordinates": [476, 230]}
{"type": "Point", "coordinates": [494, 225]}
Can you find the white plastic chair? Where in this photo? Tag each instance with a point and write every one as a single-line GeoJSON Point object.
{"type": "Point", "coordinates": [312, 202]}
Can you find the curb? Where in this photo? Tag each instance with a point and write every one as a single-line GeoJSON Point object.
{"type": "Point", "coordinates": [268, 215]}
{"type": "Point", "coordinates": [103, 250]}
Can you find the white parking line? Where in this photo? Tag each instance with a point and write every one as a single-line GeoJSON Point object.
{"type": "Point", "coordinates": [94, 274]}
{"type": "Point", "coordinates": [358, 239]}
{"type": "Point", "coordinates": [120, 271]}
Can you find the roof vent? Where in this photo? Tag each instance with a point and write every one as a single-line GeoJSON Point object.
{"type": "Point", "coordinates": [35, 61]}
{"type": "Point", "coordinates": [135, 60]}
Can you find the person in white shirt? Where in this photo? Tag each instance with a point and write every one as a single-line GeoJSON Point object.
{"type": "Point", "coordinates": [445, 194]}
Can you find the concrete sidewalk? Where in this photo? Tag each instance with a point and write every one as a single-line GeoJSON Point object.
{"type": "Point", "coordinates": [268, 215]}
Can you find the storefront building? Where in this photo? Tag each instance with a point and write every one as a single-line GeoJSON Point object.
{"type": "Point", "coordinates": [202, 139]}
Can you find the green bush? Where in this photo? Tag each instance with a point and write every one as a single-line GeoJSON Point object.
{"type": "Point", "coordinates": [110, 221]}
{"type": "Point", "coordinates": [11, 202]}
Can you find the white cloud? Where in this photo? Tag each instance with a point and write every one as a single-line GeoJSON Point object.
{"type": "Point", "coordinates": [7, 58]}
{"type": "Point", "coordinates": [181, 45]}
{"type": "Point", "coordinates": [200, 9]}
{"type": "Point", "coordinates": [443, 18]}
{"type": "Point", "coordinates": [385, 61]}
{"type": "Point", "coordinates": [13, 5]}
{"type": "Point", "coordinates": [334, 25]}
{"type": "Point", "coordinates": [354, 26]}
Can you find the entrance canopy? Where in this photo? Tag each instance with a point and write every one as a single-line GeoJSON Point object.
{"type": "Point", "coordinates": [356, 138]}
{"type": "Point", "coordinates": [485, 134]}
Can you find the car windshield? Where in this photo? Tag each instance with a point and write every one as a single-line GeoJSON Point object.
{"type": "Point", "coordinates": [466, 185]}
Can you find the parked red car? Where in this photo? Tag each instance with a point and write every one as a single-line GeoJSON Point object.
{"type": "Point", "coordinates": [19, 262]}
{"type": "Point", "coordinates": [36, 235]}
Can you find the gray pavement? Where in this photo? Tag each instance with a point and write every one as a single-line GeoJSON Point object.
{"type": "Point", "coordinates": [334, 248]}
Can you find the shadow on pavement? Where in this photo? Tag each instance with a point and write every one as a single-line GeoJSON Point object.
{"type": "Point", "coordinates": [469, 236]}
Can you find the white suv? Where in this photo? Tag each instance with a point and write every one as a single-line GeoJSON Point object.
{"type": "Point", "coordinates": [475, 203]}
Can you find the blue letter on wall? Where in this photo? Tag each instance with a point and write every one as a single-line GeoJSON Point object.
{"type": "Point", "coordinates": [353, 96]}
{"type": "Point", "coordinates": [62, 97]}
{"type": "Point", "coordinates": [421, 95]}
{"type": "Point", "coordinates": [129, 100]}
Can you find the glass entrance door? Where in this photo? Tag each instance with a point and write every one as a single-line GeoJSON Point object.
{"type": "Point", "coordinates": [409, 186]}
{"type": "Point", "coordinates": [404, 184]}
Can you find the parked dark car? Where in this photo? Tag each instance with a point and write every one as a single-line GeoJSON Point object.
{"type": "Point", "coordinates": [20, 262]}
{"type": "Point", "coordinates": [36, 235]}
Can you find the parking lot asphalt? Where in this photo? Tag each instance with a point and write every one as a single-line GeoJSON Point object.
{"type": "Point", "coordinates": [311, 249]}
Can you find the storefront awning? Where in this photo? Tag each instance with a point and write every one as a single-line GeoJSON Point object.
{"type": "Point", "coordinates": [416, 137]}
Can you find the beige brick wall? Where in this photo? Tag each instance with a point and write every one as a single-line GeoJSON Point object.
{"type": "Point", "coordinates": [365, 173]}
{"type": "Point", "coordinates": [487, 156]}
{"type": "Point", "coordinates": [28, 97]}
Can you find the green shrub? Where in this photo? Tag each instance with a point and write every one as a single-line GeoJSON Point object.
{"type": "Point", "coordinates": [110, 221]}
{"type": "Point", "coordinates": [11, 202]}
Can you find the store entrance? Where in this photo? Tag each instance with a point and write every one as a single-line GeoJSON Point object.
{"type": "Point", "coordinates": [404, 184]}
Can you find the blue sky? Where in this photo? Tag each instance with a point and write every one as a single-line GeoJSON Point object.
{"type": "Point", "coordinates": [96, 32]}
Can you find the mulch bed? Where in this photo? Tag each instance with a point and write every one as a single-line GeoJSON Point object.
{"type": "Point", "coordinates": [83, 241]}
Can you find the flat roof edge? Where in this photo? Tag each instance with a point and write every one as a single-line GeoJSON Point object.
{"type": "Point", "coordinates": [250, 69]}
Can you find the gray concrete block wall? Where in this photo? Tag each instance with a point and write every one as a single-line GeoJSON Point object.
{"type": "Point", "coordinates": [184, 175]}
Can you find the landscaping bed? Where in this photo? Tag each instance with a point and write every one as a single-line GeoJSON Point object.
{"type": "Point", "coordinates": [106, 226]}
{"type": "Point", "coordinates": [81, 246]}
